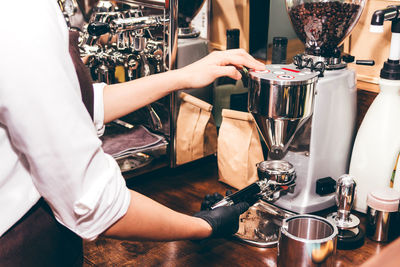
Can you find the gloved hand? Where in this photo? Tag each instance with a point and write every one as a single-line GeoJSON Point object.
{"type": "Point", "coordinates": [224, 221]}
{"type": "Point", "coordinates": [210, 200]}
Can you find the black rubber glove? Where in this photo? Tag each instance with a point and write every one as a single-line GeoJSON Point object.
{"type": "Point", "coordinates": [211, 199]}
{"type": "Point", "coordinates": [224, 221]}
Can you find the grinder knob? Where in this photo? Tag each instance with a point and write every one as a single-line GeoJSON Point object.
{"type": "Point", "coordinates": [345, 190]}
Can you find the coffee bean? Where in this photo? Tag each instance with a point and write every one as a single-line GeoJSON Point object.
{"type": "Point", "coordinates": [322, 26]}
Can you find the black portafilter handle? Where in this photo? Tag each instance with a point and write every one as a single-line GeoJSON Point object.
{"type": "Point", "coordinates": [248, 194]}
{"type": "Point", "coordinates": [98, 28]}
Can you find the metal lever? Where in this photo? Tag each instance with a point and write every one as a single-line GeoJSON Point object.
{"type": "Point", "coordinates": [98, 28]}
{"type": "Point", "coordinates": [155, 119]}
{"type": "Point", "coordinates": [365, 62]}
{"type": "Point", "coordinates": [127, 24]}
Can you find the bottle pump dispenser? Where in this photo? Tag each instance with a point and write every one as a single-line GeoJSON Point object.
{"type": "Point", "coordinates": [377, 143]}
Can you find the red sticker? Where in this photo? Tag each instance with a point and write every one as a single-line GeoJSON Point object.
{"type": "Point", "coordinates": [292, 70]}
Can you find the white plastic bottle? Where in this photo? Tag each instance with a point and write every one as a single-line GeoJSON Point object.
{"type": "Point", "coordinates": [377, 143]}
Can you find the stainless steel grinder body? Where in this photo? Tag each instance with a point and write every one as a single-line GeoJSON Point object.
{"type": "Point", "coordinates": [281, 100]}
{"type": "Point", "coordinates": [308, 123]}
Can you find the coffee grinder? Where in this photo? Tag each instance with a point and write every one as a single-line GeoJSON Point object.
{"type": "Point", "coordinates": [316, 138]}
{"type": "Point", "coordinates": [319, 147]}
{"type": "Point", "coordinates": [305, 121]}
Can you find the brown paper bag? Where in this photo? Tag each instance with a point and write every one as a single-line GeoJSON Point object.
{"type": "Point", "coordinates": [196, 133]}
{"type": "Point", "coordinates": [239, 149]}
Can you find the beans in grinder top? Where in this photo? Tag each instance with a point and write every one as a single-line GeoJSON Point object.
{"type": "Point", "coordinates": [323, 25]}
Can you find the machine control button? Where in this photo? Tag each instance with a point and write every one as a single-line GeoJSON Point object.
{"type": "Point", "coordinates": [325, 186]}
{"type": "Point", "coordinates": [286, 77]}
{"type": "Point", "coordinates": [263, 71]}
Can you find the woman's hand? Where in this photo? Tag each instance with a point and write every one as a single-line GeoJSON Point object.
{"type": "Point", "coordinates": [217, 64]}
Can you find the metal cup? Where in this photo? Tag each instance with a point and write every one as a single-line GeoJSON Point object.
{"type": "Point", "coordinates": [307, 240]}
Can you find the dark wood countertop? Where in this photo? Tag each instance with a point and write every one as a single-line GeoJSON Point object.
{"type": "Point", "coordinates": [182, 189]}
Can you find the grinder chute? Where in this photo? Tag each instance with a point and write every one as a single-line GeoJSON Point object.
{"type": "Point", "coordinates": [281, 100]}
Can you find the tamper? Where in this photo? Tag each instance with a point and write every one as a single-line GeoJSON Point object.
{"type": "Point", "coordinates": [350, 235]}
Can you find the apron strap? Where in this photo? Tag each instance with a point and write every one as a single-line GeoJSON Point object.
{"type": "Point", "coordinates": [84, 77]}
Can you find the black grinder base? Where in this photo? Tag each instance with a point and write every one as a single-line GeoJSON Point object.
{"type": "Point", "coordinates": [348, 239]}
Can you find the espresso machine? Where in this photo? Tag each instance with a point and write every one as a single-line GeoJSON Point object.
{"type": "Point", "coordinates": [121, 41]}
{"type": "Point", "coordinates": [124, 40]}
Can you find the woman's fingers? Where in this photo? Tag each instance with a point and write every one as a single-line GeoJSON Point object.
{"type": "Point", "coordinates": [218, 64]}
{"type": "Point", "coordinates": [230, 71]}
{"type": "Point", "coordinates": [239, 57]}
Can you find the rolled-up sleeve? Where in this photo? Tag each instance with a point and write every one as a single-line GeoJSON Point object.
{"type": "Point", "coordinates": [98, 103]}
{"type": "Point", "coordinates": [49, 126]}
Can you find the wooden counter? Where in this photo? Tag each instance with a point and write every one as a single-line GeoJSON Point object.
{"type": "Point", "coordinates": [182, 189]}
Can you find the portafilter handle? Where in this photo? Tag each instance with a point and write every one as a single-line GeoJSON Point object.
{"type": "Point", "coordinates": [345, 191]}
{"type": "Point", "coordinates": [248, 194]}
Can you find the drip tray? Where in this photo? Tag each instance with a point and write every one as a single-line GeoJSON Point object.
{"type": "Point", "coordinates": [135, 161]}
{"type": "Point", "coordinates": [260, 225]}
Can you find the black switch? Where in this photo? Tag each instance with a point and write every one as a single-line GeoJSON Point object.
{"type": "Point", "coordinates": [325, 186]}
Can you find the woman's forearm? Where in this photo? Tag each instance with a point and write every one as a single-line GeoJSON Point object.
{"type": "Point", "coordinates": [123, 98]}
{"type": "Point", "coordinates": [149, 220]}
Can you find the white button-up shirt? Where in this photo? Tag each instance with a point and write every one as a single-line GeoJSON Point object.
{"type": "Point", "coordinates": [48, 143]}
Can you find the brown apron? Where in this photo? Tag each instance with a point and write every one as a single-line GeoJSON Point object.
{"type": "Point", "coordinates": [37, 239]}
{"type": "Point", "coordinates": [84, 77]}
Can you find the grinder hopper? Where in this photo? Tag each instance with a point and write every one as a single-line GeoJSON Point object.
{"type": "Point", "coordinates": [281, 100]}
{"type": "Point", "coordinates": [322, 25]}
